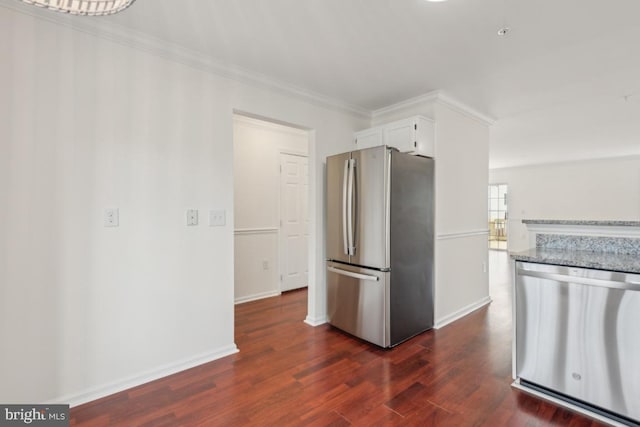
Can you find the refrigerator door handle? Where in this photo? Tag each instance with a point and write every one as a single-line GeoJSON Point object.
{"type": "Point", "coordinates": [344, 207]}
{"type": "Point", "coordinates": [350, 244]}
{"type": "Point", "coordinates": [354, 275]}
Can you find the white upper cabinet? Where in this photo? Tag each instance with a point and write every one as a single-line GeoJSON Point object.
{"type": "Point", "coordinates": [414, 135]}
{"type": "Point", "coordinates": [372, 137]}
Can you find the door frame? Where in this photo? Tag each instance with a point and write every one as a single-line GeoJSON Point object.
{"type": "Point", "coordinates": [316, 303]}
{"type": "Point", "coordinates": [280, 246]}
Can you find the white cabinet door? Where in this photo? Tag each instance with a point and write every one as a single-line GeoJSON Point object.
{"type": "Point", "coordinates": [369, 138]}
{"type": "Point", "coordinates": [425, 136]}
{"type": "Point", "coordinates": [414, 135]}
{"type": "Point", "coordinates": [401, 135]}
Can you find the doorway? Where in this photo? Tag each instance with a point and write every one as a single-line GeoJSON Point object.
{"type": "Point", "coordinates": [498, 216]}
{"type": "Point", "coordinates": [259, 149]}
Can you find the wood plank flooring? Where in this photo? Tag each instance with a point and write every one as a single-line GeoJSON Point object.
{"type": "Point", "coordinates": [290, 374]}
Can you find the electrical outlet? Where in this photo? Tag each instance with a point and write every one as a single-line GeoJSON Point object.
{"type": "Point", "coordinates": [111, 217]}
{"type": "Point", "coordinates": [484, 266]}
{"type": "Point", "coordinates": [265, 264]}
{"type": "Point", "coordinates": [192, 217]}
{"type": "Point", "coordinates": [217, 218]}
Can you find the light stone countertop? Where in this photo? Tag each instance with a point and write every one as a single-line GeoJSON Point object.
{"type": "Point", "coordinates": [585, 259]}
{"type": "Point", "coordinates": [612, 223]}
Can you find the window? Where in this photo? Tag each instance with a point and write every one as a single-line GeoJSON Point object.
{"type": "Point", "coordinates": [498, 216]}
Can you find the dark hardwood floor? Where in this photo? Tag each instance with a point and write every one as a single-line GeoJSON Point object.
{"type": "Point", "coordinates": [288, 373]}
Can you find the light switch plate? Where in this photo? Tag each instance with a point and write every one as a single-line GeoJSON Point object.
{"type": "Point", "coordinates": [192, 217]}
{"type": "Point", "coordinates": [217, 218]}
{"type": "Point", "coordinates": [111, 217]}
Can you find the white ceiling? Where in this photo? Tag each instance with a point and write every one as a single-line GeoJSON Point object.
{"type": "Point", "coordinates": [555, 84]}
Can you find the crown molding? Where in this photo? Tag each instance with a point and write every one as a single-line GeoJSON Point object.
{"type": "Point", "coordinates": [424, 98]}
{"type": "Point", "coordinates": [439, 97]}
{"type": "Point", "coordinates": [270, 125]}
{"type": "Point", "coordinates": [462, 108]}
{"type": "Point", "coordinates": [108, 30]}
{"type": "Point", "coordinates": [569, 162]}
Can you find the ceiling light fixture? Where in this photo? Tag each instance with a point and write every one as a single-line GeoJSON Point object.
{"type": "Point", "coordinates": [83, 7]}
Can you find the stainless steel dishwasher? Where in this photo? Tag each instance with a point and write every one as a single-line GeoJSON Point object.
{"type": "Point", "coordinates": [578, 336]}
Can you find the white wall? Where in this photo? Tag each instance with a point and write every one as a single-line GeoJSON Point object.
{"type": "Point", "coordinates": [88, 124]}
{"type": "Point", "coordinates": [461, 177]}
{"type": "Point", "coordinates": [257, 148]}
{"type": "Point", "coordinates": [595, 189]}
{"type": "Point", "coordinates": [462, 164]}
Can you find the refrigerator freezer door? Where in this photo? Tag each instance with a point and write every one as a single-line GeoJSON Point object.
{"type": "Point", "coordinates": [356, 302]}
{"type": "Point", "coordinates": [371, 207]}
{"type": "Point", "coordinates": [337, 204]}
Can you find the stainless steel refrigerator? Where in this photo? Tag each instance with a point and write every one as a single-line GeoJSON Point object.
{"type": "Point", "coordinates": [380, 220]}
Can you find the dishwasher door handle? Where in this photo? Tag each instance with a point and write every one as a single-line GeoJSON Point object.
{"type": "Point", "coordinates": [612, 284]}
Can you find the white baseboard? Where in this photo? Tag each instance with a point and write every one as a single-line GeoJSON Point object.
{"type": "Point", "coordinates": [315, 321]}
{"type": "Point", "coordinates": [256, 297]}
{"type": "Point", "coordinates": [145, 377]}
{"type": "Point", "coordinates": [444, 321]}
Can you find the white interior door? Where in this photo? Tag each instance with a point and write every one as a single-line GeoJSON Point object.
{"type": "Point", "coordinates": [294, 221]}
